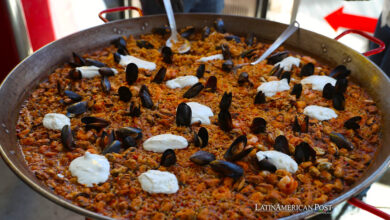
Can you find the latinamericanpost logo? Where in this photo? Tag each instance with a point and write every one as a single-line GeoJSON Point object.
{"type": "Point", "coordinates": [292, 208]}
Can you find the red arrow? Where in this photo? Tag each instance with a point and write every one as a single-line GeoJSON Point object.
{"type": "Point", "coordinates": [338, 19]}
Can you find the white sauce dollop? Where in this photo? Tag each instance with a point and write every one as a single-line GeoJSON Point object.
{"type": "Point", "coordinates": [91, 71]}
{"type": "Point", "coordinates": [155, 181]}
{"type": "Point", "coordinates": [55, 121]}
{"type": "Point", "coordinates": [90, 169]}
{"type": "Point", "coordinates": [125, 60]}
{"type": "Point", "coordinates": [162, 142]}
{"type": "Point", "coordinates": [271, 88]}
{"type": "Point", "coordinates": [319, 112]}
{"type": "Point", "coordinates": [279, 160]}
{"type": "Point", "coordinates": [182, 81]}
{"type": "Point", "coordinates": [318, 82]}
{"type": "Point", "coordinates": [212, 57]}
{"type": "Point", "coordinates": [200, 113]}
{"type": "Point", "coordinates": [288, 62]}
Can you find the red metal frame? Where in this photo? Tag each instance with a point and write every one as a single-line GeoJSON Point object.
{"type": "Point", "coordinates": [119, 9]}
{"type": "Point", "coordinates": [369, 208]}
{"type": "Point", "coordinates": [369, 37]}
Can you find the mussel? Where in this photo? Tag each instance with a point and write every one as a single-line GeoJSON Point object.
{"type": "Point", "coordinates": [67, 138]}
{"type": "Point", "coordinates": [133, 132]}
{"type": "Point", "coordinates": [226, 101]}
{"type": "Point", "coordinates": [193, 91]}
{"type": "Point", "coordinates": [286, 75]}
{"type": "Point", "coordinates": [211, 83]}
{"type": "Point", "coordinates": [260, 98]}
{"type": "Point", "coordinates": [202, 157]}
{"type": "Point", "coordinates": [163, 30]}
{"type": "Point", "coordinates": [225, 120]}
{"type": "Point", "coordinates": [307, 70]}
{"type": "Point", "coordinates": [250, 38]}
{"type": "Point", "coordinates": [106, 85]}
{"type": "Point", "coordinates": [146, 100]}
{"type": "Point", "coordinates": [124, 93]}
{"type": "Point", "coordinates": [74, 74]}
{"type": "Point", "coordinates": [233, 37]}
{"type": "Point", "coordinates": [167, 55]}
{"type": "Point", "coordinates": [227, 66]}
{"type": "Point", "coordinates": [341, 85]}
{"type": "Point", "coordinates": [117, 57]}
{"type": "Point", "coordinates": [73, 96]}
{"type": "Point", "coordinates": [276, 71]}
{"type": "Point", "coordinates": [340, 72]}
{"type": "Point", "coordinates": [183, 115]}
{"type": "Point", "coordinates": [243, 78]}
{"type": "Point", "coordinates": [258, 125]}
{"type": "Point", "coordinates": [77, 108]}
{"type": "Point", "coordinates": [303, 152]}
{"type": "Point", "coordinates": [131, 73]}
{"type": "Point", "coordinates": [90, 62]}
{"type": "Point", "coordinates": [303, 128]}
{"type": "Point", "coordinates": [120, 43]}
{"type": "Point", "coordinates": [341, 141]}
{"type": "Point", "coordinates": [328, 91]}
{"type": "Point", "coordinates": [352, 123]}
{"type": "Point", "coordinates": [297, 90]}
{"type": "Point", "coordinates": [248, 53]}
{"type": "Point", "coordinates": [78, 60]}
{"type": "Point", "coordinates": [134, 111]}
{"type": "Point", "coordinates": [265, 164]}
{"type": "Point", "coordinates": [227, 169]}
{"type": "Point", "coordinates": [237, 149]}
{"type": "Point", "coordinates": [226, 52]}
{"type": "Point", "coordinates": [201, 139]}
{"type": "Point", "coordinates": [168, 158]}
{"type": "Point", "coordinates": [144, 44]}
{"type": "Point", "coordinates": [188, 32]}
{"type": "Point", "coordinates": [129, 142]}
{"type": "Point", "coordinates": [205, 32]}
{"type": "Point", "coordinates": [338, 101]}
{"type": "Point", "coordinates": [94, 122]}
{"type": "Point", "coordinates": [159, 77]}
{"type": "Point", "coordinates": [114, 147]}
{"type": "Point", "coordinates": [106, 71]}
{"type": "Point", "coordinates": [219, 26]}
{"type": "Point", "coordinates": [110, 139]}
{"type": "Point", "coordinates": [277, 57]}
{"type": "Point", "coordinates": [200, 71]}
{"type": "Point", "coordinates": [281, 144]}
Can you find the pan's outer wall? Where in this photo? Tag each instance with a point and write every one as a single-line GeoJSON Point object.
{"type": "Point", "coordinates": [28, 74]}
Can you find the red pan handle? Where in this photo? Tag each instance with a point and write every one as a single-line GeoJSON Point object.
{"type": "Point", "coordinates": [369, 208]}
{"type": "Point", "coordinates": [369, 37]}
{"type": "Point", "coordinates": [109, 10]}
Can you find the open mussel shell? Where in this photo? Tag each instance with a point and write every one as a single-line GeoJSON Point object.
{"type": "Point", "coordinates": [307, 70]}
{"type": "Point", "coordinates": [134, 111]}
{"type": "Point", "coordinates": [90, 62]}
{"type": "Point", "coordinates": [227, 66]}
{"type": "Point", "coordinates": [96, 121]}
{"type": "Point", "coordinates": [67, 138]}
{"type": "Point", "coordinates": [211, 83]}
{"type": "Point", "coordinates": [110, 139]}
{"type": "Point", "coordinates": [117, 57]}
{"type": "Point", "coordinates": [286, 75]}
{"type": "Point", "coordinates": [340, 72]}
{"type": "Point", "coordinates": [163, 30]}
{"type": "Point", "coordinates": [248, 53]}
{"type": "Point", "coordinates": [234, 153]}
{"type": "Point", "coordinates": [243, 78]}
{"type": "Point", "coordinates": [124, 132]}
{"type": "Point", "coordinates": [159, 77]}
{"type": "Point", "coordinates": [328, 91]}
{"type": "Point", "coordinates": [78, 60]}
{"type": "Point", "coordinates": [77, 108]}
{"type": "Point", "coordinates": [146, 100]}
{"type": "Point", "coordinates": [131, 73]}
{"type": "Point", "coordinates": [200, 71]}
{"type": "Point", "coordinates": [281, 144]}
{"type": "Point", "coordinates": [74, 74]}
{"type": "Point", "coordinates": [193, 91]}
{"type": "Point", "coordinates": [338, 101]}
{"type": "Point", "coordinates": [303, 152]}
{"type": "Point", "coordinates": [106, 85]}
{"type": "Point", "coordinates": [219, 26]}
{"type": "Point", "coordinates": [202, 157]}
{"type": "Point", "coordinates": [73, 96]}
{"type": "Point", "coordinates": [129, 142]}
{"type": "Point", "coordinates": [260, 98]}
{"type": "Point", "coordinates": [144, 44]}
{"type": "Point", "coordinates": [352, 123]}
{"type": "Point", "coordinates": [297, 90]}
{"type": "Point", "coordinates": [250, 39]}
{"type": "Point", "coordinates": [227, 169]}
{"type": "Point", "coordinates": [120, 43]}
{"type": "Point", "coordinates": [188, 32]}
{"type": "Point", "coordinates": [114, 147]}
{"type": "Point", "coordinates": [341, 141]}
{"type": "Point", "coordinates": [276, 71]}
{"type": "Point", "coordinates": [226, 52]}
{"type": "Point", "coordinates": [167, 55]}
{"type": "Point", "coordinates": [183, 115]}
{"type": "Point", "coordinates": [258, 125]}
{"type": "Point", "coordinates": [226, 101]}
{"type": "Point", "coordinates": [205, 32]}
{"type": "Point", "coordinates": [233, 37]}
{"type": "Point", "coordinates": [201, 139]}
{"type": "Point", "coordinates": [277, 57]}
{"type": "Point", "coordinates": [225, 120]}
{"type": "Point", "coordinates": [303, 128]}
{"type": "Point", "coordinates": [124, 93]}
{"type": "Point", "coordinates": [106, 71]}
{"type": "Point", "coordinates": [265, 164]}
{"type": "Point", "coordinates": [168, 158]}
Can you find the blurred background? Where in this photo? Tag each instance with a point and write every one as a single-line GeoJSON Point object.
{"type": "Point", "coordinates": [28, 25]}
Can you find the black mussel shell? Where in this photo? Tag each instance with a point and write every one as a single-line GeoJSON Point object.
{"type": "Point", "coordinates": [200, 70]}
{"type": "Point", "coordinates": [338, 102]}
{"type": "Point", "coordinates": [226, 101]}
{"type": "Point", "coordinates": [352, 123]}
{"type": "Point", "coordinates": [144, 44]}
{"type": "Point", "coordinates": [72, 95]}
{"type": "Point", "coordinates": [260, 98]}
{"type": "Point", "coordinates": [106, 71]}
{"type": "Point", "coordinates": [77, 108]}
{"type": "Point", "coordinates": [96, 125]}
{"type": "Point", "coordinates": [114, 147]}
{"type": "Point", "coordinates": [111, 137]}
{"type": "Point", "coordinates": [258, 125]}
{"type": "Point", "coordinates": [188, 32]}
{"type": "Point", "coordinates": [265, 164]}
{"type": "Point", "coordinates": [167, 55]}
{"type": "Point", "coordinates": [202, 157]}
{"type": "Point", "coordinates": [78, 60]}
{"type": "Point", "coordinates": [227, 66]}
{"type": "Point", "coordinates": [219, 26]}
{"type": "Point", "coordinates": [276, 71]}
{"type": "Point", "coordinates": [146, 100]}
{"type": "Point", "coordinates": [341, 141]}
{"type": "Point", "coordinates": [67, 138]}
{"type": "Point", "coordinates": [124, 93]}
{"type": "Point", "coordinates": [307, 70]}
{"type": "Point", "coordinates": [277, 57]}
{"type": "Point", "coordinates": [227, 169]}
{"type": "Point", "coordinates": [211, 83]}
{"type": "Point", "coordinates": [341, 85]}
{"type": "Point", "coordinates": [296, 127]}
{"type": "Point", "coordinates": [74, 74]}
{"type": "Point", "coordinates": [233, 37]}
{"type": "Point", "coordinates": [120, 43]}
{"type": "Point", "coordinates": [201, 139]}
{"type": "Point", "coordinates": [328, 91]}
{"type": "Point", "coordinates": [286, 75]}
{"type": "Point", "coordinates": [163, 30]}
{"type": "Point", "coordinates": [124, 132]}
{"type": "Point", "coordinates": [134, 111]}
{"type": "Point", "coordinates": [106, 85]}
{"type": "Point", "coordinates": [90, 62]}
{"type": "Point", "coordinates": [59, 87]}
{"type": "Point", "coordinates": [122, 51]}
{"type": "Point", "coordinates": [233, 153]}
{"type": "Point", "coordinates": [226, 52]}
{"type": "Point", "coordinates": [303, 152]}
{"type": "Point", "coordinates": [159, 77]}
{"type": "Point", "coordinates": [168, 158]}
{"type": "Point", "coordinates": [91, 119]}
{"type": "Point", "coordinates": [183, 115]}
{"type": "Point", "coordinates": [340, 72]}
{"type": "Point", "coordinates": [117, 57]}
{"type": "Point", "coordinates": [249, 40]}
{"type": "Point", "coordinates": [297, 90]}
{"type": "Point", "coordinates": [129, 142]}
{"type": "Point", "coordinates": [131, 73]}
{"type": "Point", "coordinates": [205, 32]}
{"type": "Point", "coordinates": [281, 144]}
{"type": "Point", "coordinates": [225, 120]}
{"type": "Point", "coordinates": [248, 53]}
{"type": "Point", "coordinates": [305, 126]}
{"type": "Point", "coordinates": [243, 78]}
{"type": "Point", "coordinates": [193, 91]}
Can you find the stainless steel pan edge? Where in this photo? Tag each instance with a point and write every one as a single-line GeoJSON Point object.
{"type": "Point", "coordinates": [29, 73]}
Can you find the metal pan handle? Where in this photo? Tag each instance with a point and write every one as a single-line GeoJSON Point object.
{"type": "Point", "coordinates": [369, 37]}
{"type": "Point", "coordinates": [109, 10]}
